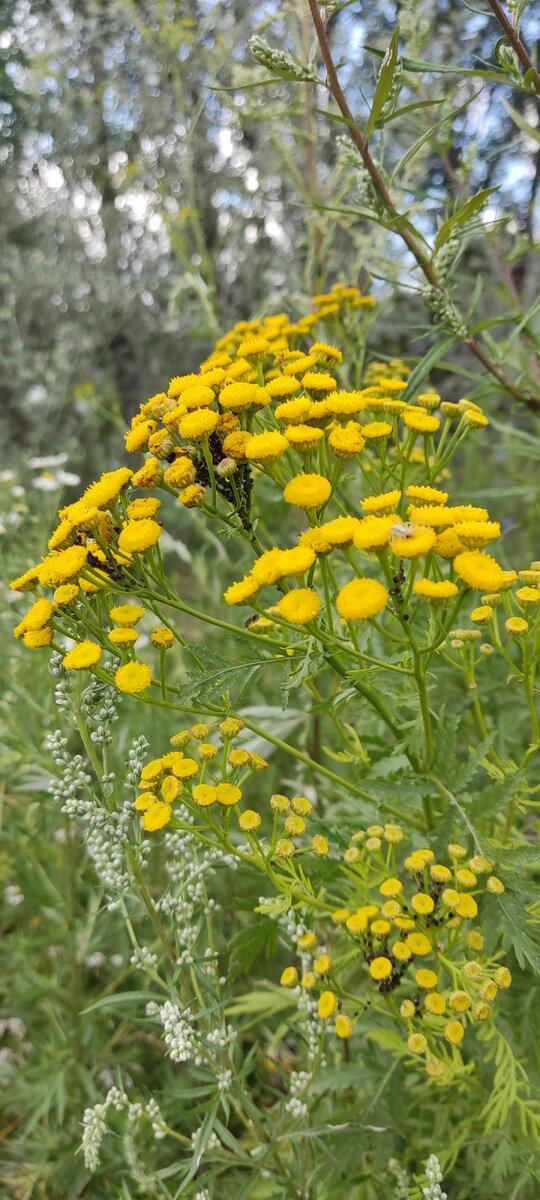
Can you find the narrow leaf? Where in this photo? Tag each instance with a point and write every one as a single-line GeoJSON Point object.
{"type": "Point", "coordinates": [384, 83]}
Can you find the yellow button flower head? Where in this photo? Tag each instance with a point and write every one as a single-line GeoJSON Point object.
{"type": "Point", "coordinates": [417, 1043]}
{"type": "Point", "coordinates": [435, 516]}
{"type": "Point", "coordinates": [435, 590]}
{"type": "Point", "coordinates": [317, 383]}
{"type": "Point", "coordinates": [327, 1005]}
{"type": "Point", "coordinates": [420, 421]}
{"type": "Point", "coordinates": [85, 655]}
{"type": "Point", "coordinates": [503, 977]}
{"type": "Point", "coordinates": [293, 412]}
{"type": "Point", "coordinates": [266, 447]}
{"type": "Point", "coordinates": [422, 903]}
{"type": "Point", "coordinates": [418, 943]}
{"type": "Point", "coordinates": [198, 425]}
{"type": "Point", "coordinates": [204, 794]}
{"type": "Point", "coordinates": [380, 968]}
{"type": "Point", "coordinates": [146, 506]}
{"type": "Point", "coordinates": [319, 845]}
{"type": "Point", "coordinates": [237, 396]}
{"type": "Point", "coordinates": [133, 677]}
{"type": "Point", "coordinates": [475, 534]}
{"type": "Point", "coordinates": [482, 614]}
{"type": "Point", "coordinates": [361, 599]}
{"type": "Point", "coordinates": [373, 532]}
{"type": "Point", "coordinates": [425, 978]}
{"type": "Point", "coordinates": [307, 491]}
{"type": "Point", "coordinates": [387, 502]}
{"type": "Point", "coordinates": [123, 637]}
{"type": "Point", "coordinates": [37, 616]}
{"type": "Point", "coordinates": [343, 1026]}
{"type": "Point", "coordinates": [63, 566]}
{"type": "Point", "coordinates": [34, 639]}
{"type": "Point", "coordinates": [391, 887]}
{"type": "Point", "coordinates": [126, 614]}
{"type": "Point", "coordinates": [300, 606]}
{"type": "Point", "coordinates": [480, 571]}
{"type": "Point", "coordinates": [400, 951]}
{"type": "Point", "coordinates": [393, 833]}
{"type": "Point", "coordinates": [26, 581]}
{"type": "Point", "coordinates": [439, 873]}
{"type": "Point", "coordinates": [181, 473]}
{"type": "Point", "coordinates": [303, 437]}
{"type": "Point", "coordinates": [346, 441]}
{"type": "Point", "coordinates": [426, 495]}
{"type": "Point", "coordinates": [249, 820]}
{"type": "Point", "coordinates": [170, 789]}
{"type": "Point", "coordinates": [345, 404]}
{"type": "Point", "coordinates": [410, 540]}
{"type": "Point", "coordinates": [138, 536]}
{"type": "Point", "coordinates": [65, 594]}
{"type": "Point", "coordinates": [453, 1032]}
{"type": "Point", "coordinates": [376, 431]}
{"type": "Point", "coordinates": [434, 1002]}
{"type": "Point", "coordinates": [459, 1001]}
{"type": "Point", "coordinates": [289, 977]}
{"type": "Point", "coordinates": [285, 848]}
{"type": "Point", "coordinates": [157, 816]}
{"type": "Point", "coordinates": [495, 885]}
{"type": "Point", "coordinates": [475, 418]}
{"type": "Point", "coordinates": [242, 591]}
{"type": "Point", "coordinates": [107, 488]}
{"type": "Point", "coordinates": [516, 626]}
{"type": "Point", "coordinates": [185, 768]}
{"type": "Point", "coordinates": [285, 385]}
{"type": "Point", "coordinates": [407, 1009]}
{"type": "Point", "coordinates": [228, 794]}
{"type": "Point", "coordinates": [380, 928]}
{"type": "Point", "coordinates": [528, 595]}
{"type": "Point", "coordinates": [198, 396]}
{"type": "Point", "coordinates": [466, 907]}
{"type": "Point", "coordinates": [162, 637]}
{"type": "Point", "coordinates": [144, 801]}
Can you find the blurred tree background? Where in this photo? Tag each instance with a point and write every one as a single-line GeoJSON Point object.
{"type": "Point", "coordinates": [151, 194]}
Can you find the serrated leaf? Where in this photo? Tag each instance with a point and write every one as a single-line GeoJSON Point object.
{"type": "Point", "coordinates": [461, 216]}
{"type": "Point", "coordinates": [384, 84]}
{"type": "Point", "coordinates": [257, 939]}
{"type": "Point", "coordinates": [514, 932]}
{"type": "Point", "coordinates": [300, 669]}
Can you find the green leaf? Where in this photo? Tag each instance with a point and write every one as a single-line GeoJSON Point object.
{"type": "Point", "coordinates": [461, 216]}
{"type": "Point", "coordinates": [514, 932]}
{"type": "Point", "coordinates": [420, 65]}
{"type": "Point", "coordinates": [307, 666]}
{"type": "Point", "coordinates": [219, 675]}
{"type": "Point", "coordinates": [384, 83]}
{"type": "Point", "coordinates": [257, 939]}
{"type": "Point", "coordinates": [531, 130]}
{"type": "Point", "coordinates": [119, 999]}
{"type": "Point", "coordinates": [426, 364]}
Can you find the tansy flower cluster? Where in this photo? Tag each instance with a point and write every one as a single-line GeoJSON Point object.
{"type": "Point", "coordinates": [413, 937]}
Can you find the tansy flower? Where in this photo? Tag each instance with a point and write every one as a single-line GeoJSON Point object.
{"type": "Point", "coordinates": [345, 404]}
{"type": "Point", "coordinates": [204, 794]}
{"type": "Point", "coordinates": [466, 907]}
{"type": "Point", "coordinates": [475, 534]}
{"type": "Point", "coordinates": [391, 887]}
{"type": "Point", "coordinates": [285, 848]}
{"type": "Point", "coordinates": [400, 951]}
{"type": "Point", "coordinates": [181, 473]}
{"type": "Point", "coordinates": [303, 437]}
{"type": "Point", "coordinates": [149, 475]}
{"type": "Point", "coordinates": [475, 418]}
{"type": "Point", "coordinates": [192, 496]}
{"type": "Point", "coordinates": [198, 425]}
{"type": "Point", "coordinates": [157, 816]}
{"type": "Point", "coordinates": [249, 820]}
{"type": "Point", "coordinates": [343, 1026]}
{"type": "Point", "coordinates": [317, 383]}
{"type": "Point", "coordinates": [138, 536]}
{"type": "Point", "coordinates": [480, 571]}
{"type": "Point", "coordinates": [237, 396]}
{"type": "Point", "coordinates": [185, 768]}
{"type": "Point", "coordinates": [266, 447]}
{"type": "Point", "coordinates": [146, 506]}
{"type": "Point", "coordinates": [425, 978]}
{"type": "Point", "coordinates": [228, 794]}
{"type": "Point", "coordinates": [435, 1003]}
{"type": "Point", "coordinates": [126, 614]}
{"type": "Point", "coordinates": [279, 803]}
{"type": "Point", "coordinates": [447, 544]}
{"type": "Point", "coordinates": [293, 412]}
{"type": "Point", "coordinates": [300, 606]}
{"type": "Point", "coordinates": [516, 625]}
{"type": "Point", "coordinates": [435, 590]}
{"type": "Point", "coordinates": [307, 491]}
{"type": "Point", "coordinates": [495, 886]}
{"type": "Point", "coordinates": [62, 535]}
{"type": "Point", "coordinates": [133, 677]}
{"type": "Point", "coordinates": [327, 353]}
{"type": "Point", "coordinates": [453, 1032]}
{"type": "Point", "coordinates": [418, 943]}
{"type": "Point", "coordinates": [198, 396]}
{"type": "Point", "coordinates": [295, 825]}
{"type": "Point", "coordinates": [376, 431]}
{"type": "Point", "coordinates": [63, 566]}
{"type": "Point", "coordinates": [459, 1001]}
{"type": "Point", "coordinates": [327, 1005]}
{"type": "Point", "coordinates": [482, 614]}
{"type": "Point", "coordinates": [34, 639]}
{"type": "Point", "coordinates": [26, 581]}
{"type": "Point", "coordinates": [407, 1009]}
{"type": "Point", "coordinates": [307, 941]}
{"type": "Point", "coordinates": [299, 364]}
{"type": "Point", "coordinates": [144, 801]}
{"type": "Point", "coordinates": [417, 1043]}
{"type": "Point", "coordinates": [345, 441]}
{"type": "Point", "coordinates": [319, 845]}
{"type": "Point", "coordinates": [285, 385]}
{"type": "Point", "coordinates": [289, 977]}
{"type": "Point", "coordinates": [37, 616]}
{"type": "Point", "coordinates": [436, 516]}
{"type": "Point", "coordinates": [426, 495]}
{"type": "Point", "coordinates": [65, 594]}
{"type": "Point", "coordinates": [410, 541]}
{"type": "Point", "coordinates": [385, 503]}
{"type": "Point", "coordinates": [170, 789]}
{"type": "Point", "coordinates": [373, 532]}
{"type": "Point", "coordinates": [123, 637]}
{"type": "Point", "coordinates": [422, 903]}
{"type": "Point", "coordinates": [361, 599]}
{"type": "Point", "coordinates": [180, 383]}
{"type": "Point", "coordinates": [420, 421]}
{"type": "Point", "coordinates": [242, 591]}
{"type": "Point", "coordinates": [107, 488]}
{"type": "Point", "coordinates": [162, 637]}
{"type": "Point", "coordinates": [380, 968]}
{"type": "Point", "coordinates": [528, 595]}
{"type": "Point", "coordinates": [85, 655]}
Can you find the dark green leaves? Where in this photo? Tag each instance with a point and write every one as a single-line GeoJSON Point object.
{"type": "Point", "coordinates": [384, 84]}
{"type": "Point", "coordinates": [460, 217]}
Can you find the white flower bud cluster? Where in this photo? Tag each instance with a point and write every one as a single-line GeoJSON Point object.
{"type": "Point", "coordinates": [440, 303]}
{"type": "Point", "coordinates": [223, 1079]}
{"type": "Point", "coordinates": [178, 1031]}
{"type": "Point", "coordinates": [142, 957]}
{"type": "Point", "coordinates": [154, 1112]}
{"type": "Point", "coordinates": [13, 895]}
{"type": "Point", "coordinates": [298, 1083]}
{"type": "Point", "coordinates": [285, 66]}
{"type": "Point", "coordinates": [434, 1179]}
{"type": "Point", "coordinates": [401, 1176]}
{"type": "Point", "coordinates": [99, 706]}
{"type": "Point", "coordinates": [213, 1142]}
{"type": "Point", "coordinates": [95, 1126]}
{"type": "Point", "coordinates": [202, 1194]}
{"type": "Point", "coordinates": [136, 759]}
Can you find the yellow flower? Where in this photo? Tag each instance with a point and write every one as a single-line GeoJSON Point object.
{"type": "Point", "coordinates": [300, 606]}
{"type": "Point", "coordinates": [279, 803]}
{"type": "Point", "coordinates": [293, 412]}
{"type": "Point", "coordinates": [440, 873]}
{"type": "Point", "coordinates": [495, 885]}
{"type": "Point", "coordinates": [149, 475]}
{"type": "Point", "coordinates": [242, 591]}
{"type": "Point", "coordinates": [447, 544]}
{"type": "Point", "coordinates": [380, 928]}
{"type": "Point", "coordinates": [528, 595]}
{"type": "Point", "coordinates": [307, 491]}
{"type": "Point", "coordinates": [407, 1009]}
{"type": "Point", "coordinates": [162, 637]}
{"type": "Point", "coordinates": [285, 385]}
{"type": "Point", "coordinates": [323, 964]}
{"type": "Point", "coordinates": [503, 977]}
{"type": "Point", "coordinates": [420, 421]}
{"type": "Point", "coordinates": [425, 978]}
{"type": "Point", "coordinates": [319, 845]}
{"type": "Point", "coordinates": [380, 968]}
{"type": "Point", "coordinates": [422, 903]}
{"type": "Point", "coordinates": [249, 820]}
{"type": "Point", "coordinates": [146, 506]}
{"type": "Point", "coordinates": [466, 906]}
{"type": "Point", "coordinates": [474, 534]}
{"type": "Point", "coordinates": [373, 532]}
{"type": "Point", "coordinates": [170, 789]}
{"type": "Point", "coordinates": [516, 625]}
{"type": "Point", "coordinates": [417, 1043]}
{"type": "Point", "coordinates": [289, 977]}
{"type": "Point", "coordinates": [400, 951]}
{"type": "Point", "coordinates": [387, 502]}
{"type": "Point", "coordinates": [434, 1002]}
{"type": "Point", "coordinates": [410, 541]}
{"type": "Point", "coordinates": [63, 534]}
{"type": "Point", "coordinates": [152, 770]}
{"type": "Point", "coordinates": [65, 594]}
{"type": "Point", "coordinates": [345, 404]}
{"type": "Point", "coordinates": [459, 1001]}
{"type": "Point", "coordinates": [144, 801]}
{"type": "Point", "coordinates": [393, 833]}
{"type": "Point", "coordinates": [324, 352]}
{"type": "Point", "coordinates": [238, 396]}
{"type": "Point", "coordinates": [295, 825]}
{"type": "Point", "coordinates": [317, 383]}
{"type": "Point", "coordinates": [63, 566]}
{"type": "Point", "coordinates": [453, 1032]}
{"type": "Point", "coordinates": [307, 941]}
{"type": "Point", "coordinates": [479, 571]}
{"type": "Point", "coordinates": [309, 980]}
{"type": "Point", "coordinates": [434, 590]}
{"type": "Point", "coordinates": [204, 794]}
{"type": "Point", "coordinates": [107, 488]}
{"type": "Point", "coordinates": [85, 655]}
{"type": "Point", "coordinates": [426, 495]}
{"type": "Point", "coordinates": [126, 614]}
{"type": "Point", "coordinates": [231, 727]}
{"type": "Point", "coordinates": [138, 536]}
{"type": "Point", "coordinates": [123, 637]}
{"type": "Point", "coordinates": [475, 418]}
{"type": "Point", "coordinates": [158, 815]}
{"type": "Point", "coordinates": [418, 943]}
{"type": "Point", "coordinates": [376, 431]}
{"type": "Point", "coordinates": [133, 677]}
{"type": "Point", "coordinates": [185, 768]}
{"type": "Point", "coordinates": [228, 794]}
{"type": "Point", "coordinates": [391, 887]}
{"type": "Point", "coordinates": [482, 614]}
{"type": "Point", "coordinates": [34, 639]}
{"type": "Point", "coordinates": [345, 441]}
{"type": "Point", "coordinates": [26, 581]}
{"type": "Point", "coordinates": [37, 616]}
{"type": "Point", "coordinates": [285, 848]}
{"type": "Point", "coordinates": [303, 437]}
{"type": "Point", "coordinates": [181, 473]}
{"type": "Point", "coordinates": [361, 599]}
{"type": "Point", "coordinates": [266, 447]}
{"type": "Point", "coordinates": [343, 1026]}
{"type": "Point", "coordinates": [198, 425]}
{"type": "Point", "coordinates": [198, 396]}
{"type": "Point", "coordinates": [327, 1005]}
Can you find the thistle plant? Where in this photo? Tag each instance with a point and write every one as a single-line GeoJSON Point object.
{"type": "Point", "coordinates": [385, 863]}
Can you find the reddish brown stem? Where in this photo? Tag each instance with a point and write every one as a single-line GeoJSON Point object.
{"type": "Point", "coordinates": [518, 45]}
